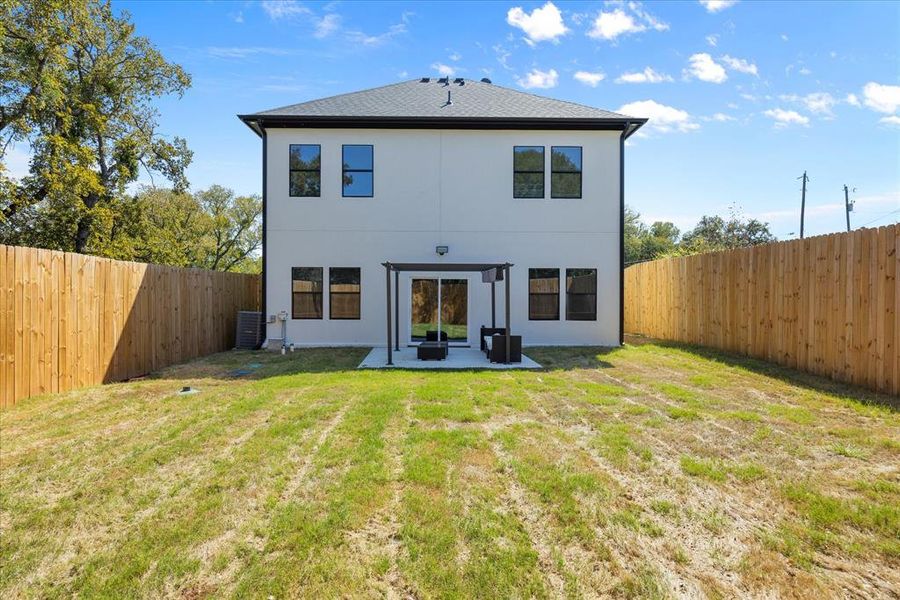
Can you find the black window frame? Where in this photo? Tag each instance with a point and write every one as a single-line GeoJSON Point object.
{"type": "Point", "coordinates": [320, 293]}
{"type": "Point", "coordinates": [332, 294]}
{"type": "Point", "coordinates": [569, 295]}
{"type": "Point", "coordinates": [345, 170]}
{"type": "Point", "coordinates": [543, 173]}
{"type": "Point", "coordinates": [531, 272]}
{"type": "Point", "coordinates": [579, 172]}
{"type": "Point", "coordinates": [291, 171]}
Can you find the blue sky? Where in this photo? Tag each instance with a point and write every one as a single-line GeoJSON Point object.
{"type": "Point", "coordinates": [743, 96]}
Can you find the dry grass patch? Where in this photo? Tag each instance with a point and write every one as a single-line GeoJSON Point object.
{"type": "Point", "coordinates": [648, 471]}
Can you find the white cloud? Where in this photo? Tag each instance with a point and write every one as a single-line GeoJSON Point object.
{"type": "Point", "coordinates": [819, 103]}
{"type": "Point", "coordinates": [784, 37]}
{"type": "Point", "coordinates": [892, 120]}
{"type": "Point", "coordinates": [502, 56]}
{"type": "Point", "coordinates": [539, 79]}
{"type": "Point", "coordinates": [852, 100]}
{"type": "Point", "coordinates": [804, 71]}
{"type": "Point", "coordinates": [722, 117]}
{"type": "Point", "coordinates": [444, 70]}
{"type": "Point", "coordinates": [403, 74]}
{"type": "Point", "coordinates": [455, 56]}
{"type": "Point", "coordinates": [240, 52]}
{"type": "Point", "coordinates": [712, 39]}
{"type": "Point", "coordinates": [327, 25]}
{"type": "Point", "coordinates": [359, 37]}
{"type": "Point", "coordinates": [783, 118]}
{"type": "Point", "coordinates": [714, 6]}
{"type": "Point", "coordinates": [704, 68]}
{"type": "Point", "coordinates": [872, 204]}
{"type": "Point", "coordinates": [542, 25]}
{"type": "Point", "coordinates": [651, 21]}
{"type": "Point", "coordinates": [610, 25]}
{"type": "Point", "coordinates": [648, 75]}
{"type": "Point", "coordinates": [882, 98]}
{"type": "Point", "coordinates": [663, 119]}
{"type": "Point", "coordinates": [632, 19]}
{"type": "Point", "coordinates": [589, 78]}
{"type": "Point", "coordinates": [740, 65]}
{"type": "Point", "coordinates": [282, 9]}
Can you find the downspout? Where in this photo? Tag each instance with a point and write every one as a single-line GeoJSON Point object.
{"type": "Point", "coordinates": [264, 194]}
{"type": "Point", "coordinates": [625, 133]}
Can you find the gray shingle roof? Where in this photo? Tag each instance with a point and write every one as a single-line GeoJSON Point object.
{"type": "Point", "coordinates": [416, 99]}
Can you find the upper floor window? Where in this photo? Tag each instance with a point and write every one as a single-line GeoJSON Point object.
{"type": "Point", "coordinates": [305, 170]}
{"type": "Point", "coordinates": [306, 292]}
{"type": "Point", "coordinates": [358, 171]}
{"type": "Point", "coordinates": [543, 294]}
{"type": "Point", "coordinates": [528, 172]}
{"type": "Point", "coordinates": [343, 292]}
{"type": "Point", "coordinates": [565, 172]}
{"type": "Point", "coordinates": [581, 294]}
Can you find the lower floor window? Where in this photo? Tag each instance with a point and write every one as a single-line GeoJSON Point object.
{"type": "Point", "coordinates": [543, 294]}
{"type": "Point", "coordinates": [581, 294]}
{"type": "Point", "coordinates": [344, 292]}
{"type": "Point", "coordinates": [306, 292]}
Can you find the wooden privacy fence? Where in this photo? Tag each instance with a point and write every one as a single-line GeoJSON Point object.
{"type": "Point", "coordinates": [825, 304]}
{"type": "Point", "coordinates": [70, 320]}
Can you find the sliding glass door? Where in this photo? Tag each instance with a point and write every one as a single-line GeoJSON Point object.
{"type": "Point", "coordinates": [433, 297]}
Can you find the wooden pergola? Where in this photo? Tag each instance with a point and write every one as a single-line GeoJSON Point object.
{"type": "Point", "coordinates": [484, 268]}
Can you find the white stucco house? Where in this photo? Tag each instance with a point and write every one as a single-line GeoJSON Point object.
{"type": "Point", "coordinates": [386, 211]}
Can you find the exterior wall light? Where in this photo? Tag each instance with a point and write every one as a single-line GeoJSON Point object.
{"type": "Point", "coordinates": [442, 250]}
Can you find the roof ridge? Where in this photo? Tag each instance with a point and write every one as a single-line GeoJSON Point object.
{"type": "Point", "coordinates": [532, 94]}
{"type": "Point", "coordinates": [426, 98]}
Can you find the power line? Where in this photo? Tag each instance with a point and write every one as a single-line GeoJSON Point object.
{"type": "Point", "coordinates": [880, 218]}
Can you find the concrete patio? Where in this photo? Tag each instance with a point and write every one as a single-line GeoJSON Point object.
{"type": "Point", "coordinates": [457, 358]}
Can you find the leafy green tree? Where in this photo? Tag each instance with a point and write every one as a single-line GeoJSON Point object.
{"type": "Point", "coordinates": [712, 233]}
{"type": "Point", "coordinates": [159, 226]}
{"type": "Point", "coordinates": [715, 233]}
{"type": "Point", "coordinates": [234, 232]}
{"type": "Point", "coordinates": [634, 232]}
{"type": "Point", "coordinates": [77, 85]}
{"type": "Point", "coordinates": [647, 243]}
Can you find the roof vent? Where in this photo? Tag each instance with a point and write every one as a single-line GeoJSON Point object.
{"type": "Point", "coordinates": [485, 80]}
{"type": "Point", "coordinates": [444, 80]}
{"type": "Point", "coordinates": [449, 100]}
{"type": "Point", "coordinates": [425, 80]}
{"type": "Point", "coordinates": [459, 80]}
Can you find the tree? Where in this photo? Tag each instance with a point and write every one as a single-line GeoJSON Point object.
{"type": "Point", "coordinates": [77, 85]}
{"type": "Point", "coordinates": [643, 243]}
{"type": "Point", "coordinates": [235, 232]}
{"type": "Point", "coordinates": [715, 233]}
{"type": "Point", "coordinates": [159, 226]}
{"type": "Point", "coordinates": [710, 234]}
{"type": "Point", "coordinates": [634, 232]}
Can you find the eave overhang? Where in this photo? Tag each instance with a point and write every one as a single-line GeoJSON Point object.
{"type": "Point", "coordinates": [258, 122]}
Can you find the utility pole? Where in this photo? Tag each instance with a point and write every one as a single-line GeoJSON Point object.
{"type": "Point", "coordinates": [803, 202]}
{"type": "Point", "coordinates": [847, 205]}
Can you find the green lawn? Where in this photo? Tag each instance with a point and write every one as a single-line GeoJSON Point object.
{"type": "Point", "coordinates": [647, 471]}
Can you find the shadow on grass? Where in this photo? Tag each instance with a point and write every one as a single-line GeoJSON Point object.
{"type": "Point", "coordinates": [810, 381]}
{"type": "Point", "coordinates": [262, 364]}
{"type": "Point", "coordinates": [566, 358]}
{"type": "Point", "coordinates": [243, 364]}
